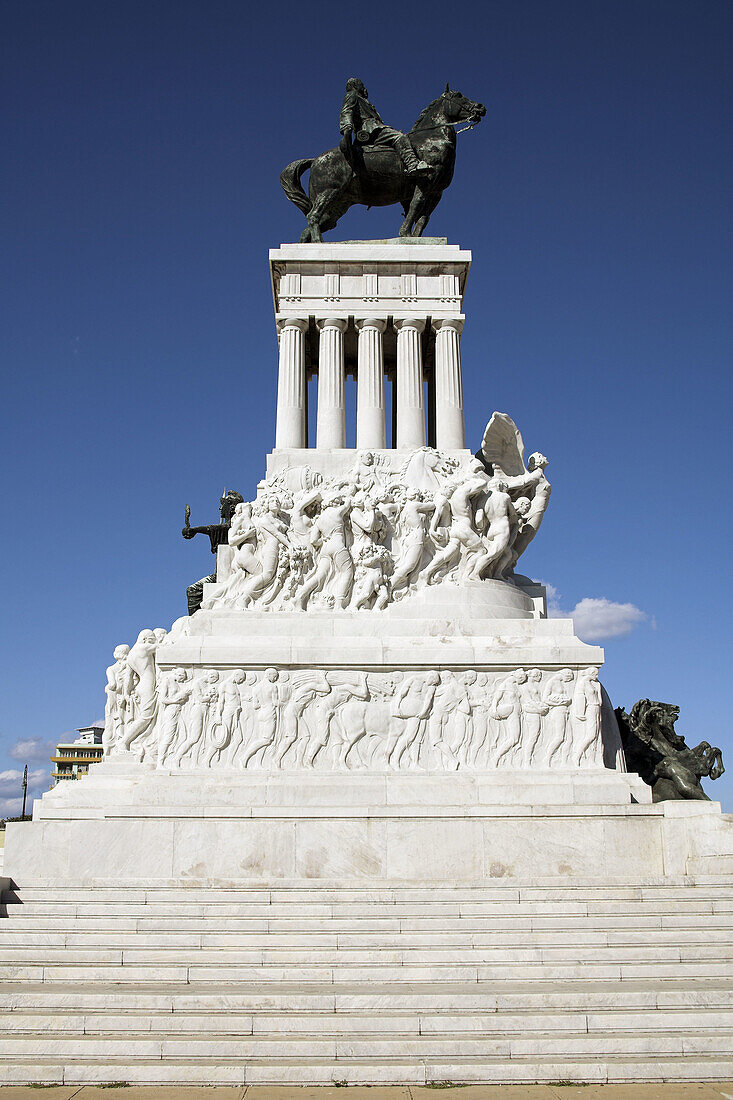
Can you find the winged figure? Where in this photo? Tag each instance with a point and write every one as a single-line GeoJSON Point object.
{"type": "Point", "coordinates": [502, 451]}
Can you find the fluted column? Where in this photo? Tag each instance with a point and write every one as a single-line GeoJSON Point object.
{"type": "Point", "coordinates": [292, 394]}
{"type": "Point", "coordinates": [370, 427]}
{"type": "Point", "coordinates": [410, 398]}
{"type": "Point", "coordinates": [449, 426]}
{"type": "Point", "coordinates": [331, 423]}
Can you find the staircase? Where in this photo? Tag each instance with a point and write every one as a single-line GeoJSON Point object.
{"type": "Point", "coordinates": [308, 984]}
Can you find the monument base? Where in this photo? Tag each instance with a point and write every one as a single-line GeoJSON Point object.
{"type": "Point", "coordinates": [234, 929]}
{"type": "Point", "coordinates": [220, 828]}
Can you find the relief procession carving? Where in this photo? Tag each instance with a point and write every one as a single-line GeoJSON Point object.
{"type": "Point", "coordinates": [346, 719]}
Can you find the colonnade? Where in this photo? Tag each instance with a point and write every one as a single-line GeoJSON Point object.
{"type": "Point", "coordinates": [409, 392]}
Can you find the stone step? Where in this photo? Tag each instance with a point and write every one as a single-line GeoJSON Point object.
{"type": "Point", "coordinates": [359, 911]}
{"type": "Point", "coordinates": [25, 918]}
{"type": "Point", "coordinates": [343, 974]}
{"type": "Point", "coordinates": [308, 941]}
{"type": "Point", "coordinates": [312, 1071]}
{"type": "Point", "coordinates": [512, 891]}
{"type": "Point", "coordinates": [532, 1020]}
{"type": "Point", "coordinates": [398, 954]}
{"type": "Point", "coordinates": [311, 984]}
{"type": "Point", "coordinates": [375, 1047]}
{"type": "Point", "coordinates": [508, 996]}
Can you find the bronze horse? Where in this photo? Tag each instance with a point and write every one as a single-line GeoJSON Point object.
{"type": "Point", "coordinates": [353, 174]}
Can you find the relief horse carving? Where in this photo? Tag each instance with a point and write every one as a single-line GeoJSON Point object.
{"type": "Point", "coordinates": [357, 174]}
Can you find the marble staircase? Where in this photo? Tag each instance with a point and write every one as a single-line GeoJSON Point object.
{"type": "Point", "coordinates": [309, 983]}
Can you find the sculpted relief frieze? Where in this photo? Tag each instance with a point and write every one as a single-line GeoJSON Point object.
{"type": "Point", "coordinates": [368, 539]}
{"type": "Point", "coordinates": [347, 719]}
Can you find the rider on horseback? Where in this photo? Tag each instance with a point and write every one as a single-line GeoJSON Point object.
{"type": "Point", "coordinates": [360, 117]}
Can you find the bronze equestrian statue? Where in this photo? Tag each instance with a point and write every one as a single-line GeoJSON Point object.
{"type": "Point", "coordinates": [382, 165]}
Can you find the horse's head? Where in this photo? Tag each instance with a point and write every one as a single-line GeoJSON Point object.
{"type": "Point", "coordinates": [457, 108]}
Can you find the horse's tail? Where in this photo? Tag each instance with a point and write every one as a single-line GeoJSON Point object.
{"type": "Point", "coordinates": [290, 180]}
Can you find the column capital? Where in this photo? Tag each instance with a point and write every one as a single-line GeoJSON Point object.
{"type": "Point", "coordinates": [418, 323]}
{"type": "Point", "coordinates": [379, 323]}
{"type": "Point", "coordinates": [455, 323]}
{"type": "Point", "coordinates": [331, 322]}
{"type": "Point", "coordinates": [301, 323]}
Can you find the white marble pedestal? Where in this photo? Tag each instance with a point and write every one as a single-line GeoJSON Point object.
{"type": "Point", "coordinates": [129, 824]}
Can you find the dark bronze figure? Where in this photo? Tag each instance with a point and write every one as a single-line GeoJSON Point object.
{"type": "Point", "coordinates": [662, 757]}
{"type": "Point", "coordinates": [218, 536]}
{"type": "Point", "coordinates": [362, 119]}
{"type": "Point", "coordinates": [382, 166]}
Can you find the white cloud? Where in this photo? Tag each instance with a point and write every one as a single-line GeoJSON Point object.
{"type": "Point", "coordinates": [11, 795]}
{"type": "Point", "coordinates": [12, 807]}
{"type": "Point", "coordinates": [600, 618]}
{"type": "Point", "coordinates": [596, 618]}
{"type": "Point", "coordinates": [32, 750]}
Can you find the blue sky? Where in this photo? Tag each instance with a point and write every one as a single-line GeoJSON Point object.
{"type": "Point", "coordinates": [142, 146]}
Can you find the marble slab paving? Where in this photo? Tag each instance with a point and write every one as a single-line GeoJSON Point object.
{"type": "Point", "coordinates": [691, 1090]}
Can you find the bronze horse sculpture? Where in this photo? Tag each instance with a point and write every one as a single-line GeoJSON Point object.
{"type": "Point", "coordinates": [661, 756]}
{"type": "Point", "coordinates": [353, 174]}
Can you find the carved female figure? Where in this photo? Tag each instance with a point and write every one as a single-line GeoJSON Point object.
{"type": "Point", "coordinates": [243, 726]}
{"type": "Point", "coordinates": [229, 709]}
{"type": "Point", "coordinates": [412, 705]}
{"type": "Point", "coordinates": [505, 708]}
{"type": "Point", "coordinates": [559, 699]}
{"type": "Point", "coordinates": [266, 703]}
{"type": "Point", "coordinates": [448, 727]}
{"type": "Point", "coordinates": [412, 529]}
{"type": "Point", "coordinates": [478, 693]}
{"type": "Point", "coordinates": [334, 557]}
{"type": "Point", "coordinates": [586, 718]}
{"type": "Point", "coordinates": [534, 708]}
{"type": "Point", "coordinates": [271, 535]}
{"type": "Point", "coordinates": [115, 710]}
{"type": "Point", "coordinates": [365, 527]}
{"type": "Point", "coordinates": [243, 537]}
{"type": "Point", "coordinates": [225, 731]}
{"type": "Point", "coordinates": [203, 699]}
{"type": "Point", "coordinates": [141, 662]}
{"type": "Point", "coordinates": [175, 691]}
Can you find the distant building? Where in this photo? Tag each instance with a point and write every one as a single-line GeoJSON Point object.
{"type": "Point", "coordinates": [73, 758]}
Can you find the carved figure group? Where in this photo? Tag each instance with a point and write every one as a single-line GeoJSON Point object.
{"type": "Point", "coordinates": [373, 536]}
{"type": "Point", "coordinates": [349, 719]}
{"type": "Point", "coordinates": [131, 710]}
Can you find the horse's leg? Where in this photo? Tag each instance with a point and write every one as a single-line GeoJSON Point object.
{"type": "Point", "coordinates": [413, 211]}
{"type": "Point", "coordinates": [324, 213]}
{"type": "Point", "coordinates": [431, 201]}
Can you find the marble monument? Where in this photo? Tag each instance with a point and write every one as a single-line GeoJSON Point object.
{"type": "Point", "coordinates": [366, 676]}
{"type": "Point", "coordinates": [364, 814]}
